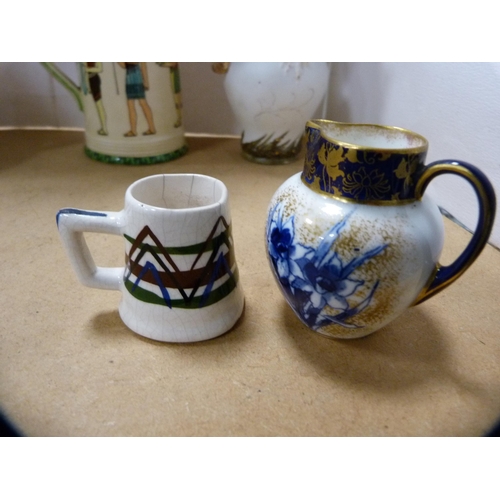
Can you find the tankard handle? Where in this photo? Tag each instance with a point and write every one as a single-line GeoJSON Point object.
{"type": "Point", "coordinates": [72, 223]}
{"type": "Point", "coordinates": [65, 81]}
{"type": "Point", "coordinates": [444, 276]}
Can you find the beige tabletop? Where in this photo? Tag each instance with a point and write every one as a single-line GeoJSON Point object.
{"type": "Point", "coordinates": [69, 366]}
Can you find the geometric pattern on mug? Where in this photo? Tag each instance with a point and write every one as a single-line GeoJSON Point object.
{"type": "Point", "coordinates": [187, 277]}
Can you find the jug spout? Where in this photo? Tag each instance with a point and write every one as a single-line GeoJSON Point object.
{"type": "Point", "coordinates": [362, 162]}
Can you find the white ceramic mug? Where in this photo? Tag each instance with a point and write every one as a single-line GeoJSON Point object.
{"type": "Point", "coordinates": [180, 282]}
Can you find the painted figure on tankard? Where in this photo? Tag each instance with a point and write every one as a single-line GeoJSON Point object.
{"type": "Point", "coordinates": [136, 85]}
{"type": "Point", "coordinates": [91, 84]}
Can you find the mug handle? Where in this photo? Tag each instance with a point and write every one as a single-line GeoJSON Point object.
{"type": "Point", "coordinates": [65, 81]}
{"type": "Point", "coordinates": [72, 223]}
{"type": "Point", "coordinates": [444, 276]}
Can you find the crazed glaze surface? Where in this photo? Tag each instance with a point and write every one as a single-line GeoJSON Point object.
{"type": "Point", "coordinates": [181, 281]}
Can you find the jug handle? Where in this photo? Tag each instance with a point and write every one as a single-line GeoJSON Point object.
{"type": "Point", "coordinates": [65, 81]}
{"type": "Point", "coordinates": [444, 276]}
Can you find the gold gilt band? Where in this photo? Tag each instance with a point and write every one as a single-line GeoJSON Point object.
{"type": "Point", "coordinates": [362, 174]}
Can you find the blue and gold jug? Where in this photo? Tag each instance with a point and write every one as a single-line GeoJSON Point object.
{"type": "Point", "coordinates": [354, 240]}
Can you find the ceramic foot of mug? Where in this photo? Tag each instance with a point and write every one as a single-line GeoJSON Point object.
{"type": "Point", "coordinates": [187, 325]}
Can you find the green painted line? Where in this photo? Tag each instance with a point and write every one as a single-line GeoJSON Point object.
{"type": "Point", "coordinates": [215, 295]}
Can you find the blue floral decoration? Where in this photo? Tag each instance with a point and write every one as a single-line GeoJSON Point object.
{"type": "Point", "coordinates": [314, 278]}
